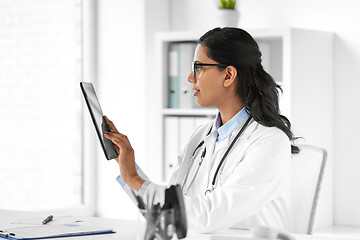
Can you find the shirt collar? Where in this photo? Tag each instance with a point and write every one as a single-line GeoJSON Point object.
{"type": "Point", "coordinates": [225, 130]}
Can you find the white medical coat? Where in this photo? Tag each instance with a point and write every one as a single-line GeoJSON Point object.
{"type": "Point", "coordinates": [252, 186]}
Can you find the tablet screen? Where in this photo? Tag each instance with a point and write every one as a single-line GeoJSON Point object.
{"type": "Point", "coordinates": [97, 117]}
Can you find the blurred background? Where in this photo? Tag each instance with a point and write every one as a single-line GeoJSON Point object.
{"type": "Point", "coordinates": [49, 154]}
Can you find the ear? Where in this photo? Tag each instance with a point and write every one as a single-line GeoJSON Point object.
{"type": "Point", "coordinates": [230, 77]}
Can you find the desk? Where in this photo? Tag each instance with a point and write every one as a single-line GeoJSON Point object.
{"type": "Point", "coordinates": [126, 229]}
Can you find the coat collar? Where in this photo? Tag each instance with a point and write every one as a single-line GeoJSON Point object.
{"type": "Point", "coordinates": [228, 128]}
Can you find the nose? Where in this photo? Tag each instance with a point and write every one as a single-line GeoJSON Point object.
{"type": "Point", "coordinates": [191, 78]}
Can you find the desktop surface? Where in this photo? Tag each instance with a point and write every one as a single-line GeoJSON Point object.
{"type": "Point", "coordinates": [127, 229]}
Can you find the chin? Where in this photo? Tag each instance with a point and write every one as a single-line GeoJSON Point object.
{"type": "Point", "coordinates": [199, 103]}
{"type": "Point", "coordinates": [203, 104]}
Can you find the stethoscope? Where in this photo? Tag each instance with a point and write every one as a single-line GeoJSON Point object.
{"type": "Point", "coordinates": [203, 154]}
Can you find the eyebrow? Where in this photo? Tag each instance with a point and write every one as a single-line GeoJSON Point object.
{"type": "Point", "coordinates": [198, 62]}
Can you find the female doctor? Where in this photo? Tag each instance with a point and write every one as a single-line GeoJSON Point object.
{"type": "Point", "coordinates": [234, 169]}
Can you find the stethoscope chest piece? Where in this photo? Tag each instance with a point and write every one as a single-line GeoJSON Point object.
{"type": "Point", "coordinates": [210, 190]}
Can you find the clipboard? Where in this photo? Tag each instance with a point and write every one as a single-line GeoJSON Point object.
{"type": "Point", "coordinates": [98, 119]}
{"type": "Point", "coordinates": [52, 231]}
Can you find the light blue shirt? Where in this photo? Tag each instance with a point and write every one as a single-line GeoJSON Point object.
{"type": "Point", "coordinates": [225, 130]}
{"type": "Point", "coordinates": [121, 181]}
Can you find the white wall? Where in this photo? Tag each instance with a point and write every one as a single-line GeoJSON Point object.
{"type": "Point", "coordinates": [39, 85]}
{"type": "Point", "coordinates": [157, 18]}
{"type": "Point", "coordinates": [121, 88]}
{"type": "Point", "coordinates": [124, 84]}
{"type": "Point", "coordinates": [125, 68]}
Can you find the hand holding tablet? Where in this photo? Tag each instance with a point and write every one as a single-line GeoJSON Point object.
{"type": "Point", "coordinates": [98, 119]}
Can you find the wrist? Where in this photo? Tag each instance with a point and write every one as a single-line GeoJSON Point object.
{"type": "Point", "coordinates": [135, 182]}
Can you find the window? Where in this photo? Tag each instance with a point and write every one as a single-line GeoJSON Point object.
{"type": "Point", "coordinates": [41, 149]}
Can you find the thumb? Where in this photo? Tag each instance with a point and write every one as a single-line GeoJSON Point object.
{"type": "Point", "coordinates": [110, 124]}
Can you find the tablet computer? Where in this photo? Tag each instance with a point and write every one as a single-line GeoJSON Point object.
{"type": "Point", "coordinates": [98, 119]}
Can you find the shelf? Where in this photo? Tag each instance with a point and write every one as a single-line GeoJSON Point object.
{"type": "Point", "coordinates": [189, 112]}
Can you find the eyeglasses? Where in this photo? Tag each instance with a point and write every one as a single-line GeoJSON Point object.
{"type": "Point", "coordinates": [195, 66]}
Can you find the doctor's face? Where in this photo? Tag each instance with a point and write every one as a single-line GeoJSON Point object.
{"type": "Point", "coordinates": [208, 83]}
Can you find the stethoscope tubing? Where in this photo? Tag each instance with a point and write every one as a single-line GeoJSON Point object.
{"type": "Point", "coordinates": [229, 148]}
{"type": "Point", "coordinates": [199, 165]}
{"type": "Point", "coordinates": [221, 161]}
{"type": "Point", "coordinates": [192, 163]}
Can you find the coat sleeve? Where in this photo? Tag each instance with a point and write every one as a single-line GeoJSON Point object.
{"type": "Point", "coordinates": [253, 184]}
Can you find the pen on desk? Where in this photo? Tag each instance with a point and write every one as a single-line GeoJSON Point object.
{"type": "Point", "coordinates": [47, 219]}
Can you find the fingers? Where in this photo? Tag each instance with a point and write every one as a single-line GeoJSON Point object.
{"type": "Point", "coordinates": [120, 140]}
{"type": "Point", "coordinates": [110, 124]}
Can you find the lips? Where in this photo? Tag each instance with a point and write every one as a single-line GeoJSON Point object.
{"type": "Point", "coordinates": [196, 91]}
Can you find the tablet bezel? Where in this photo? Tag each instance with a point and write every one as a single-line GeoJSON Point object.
{"type": "Point", "coordinates": [106, 144]}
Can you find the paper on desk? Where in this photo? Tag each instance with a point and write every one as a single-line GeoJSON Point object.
{"type": "Point", "coordinates": [55, 230]}
{"type": "Point", "coordinates": [39, 220]}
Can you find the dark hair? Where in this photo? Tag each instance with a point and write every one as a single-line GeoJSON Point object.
{"type": "Point", "coordinates": [256, 88]}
